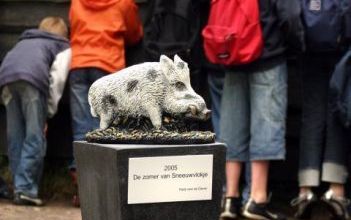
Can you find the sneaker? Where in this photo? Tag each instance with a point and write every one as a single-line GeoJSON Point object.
{"type": "Point", "coordinates": [253, 210]}
{"type": "Point", "coordinates": [230, 208]}
{"type": "Point", "coordinates": [21, 199]}
{"type": "Point", "coordinates": [337, 204]}
{"type": "Point", "coordinates": [304, 203]}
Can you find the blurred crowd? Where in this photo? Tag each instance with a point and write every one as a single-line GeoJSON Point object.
{"type": "Point", "coordinates": [240, 46]}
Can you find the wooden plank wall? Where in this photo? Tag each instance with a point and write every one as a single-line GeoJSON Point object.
{"type": "Point", "coordinates": [16, 16]}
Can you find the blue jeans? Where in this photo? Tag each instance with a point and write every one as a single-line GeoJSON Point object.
{"type": "Point", "coordinates": [323, 141]}
{"type": "Point", "coordinates": [253, 114]}
{"type": "Point", "coordinates": [82, 121]}
{"type": "Point", "coordinates": [215, 83]}
{"type": "Point", "coordinates": [80, 81]}
{"type": "Point", "coordinates": [26, 111]}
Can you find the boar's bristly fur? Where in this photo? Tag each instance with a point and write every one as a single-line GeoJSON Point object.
{"type": "Point", "coordinates": [146, 89]}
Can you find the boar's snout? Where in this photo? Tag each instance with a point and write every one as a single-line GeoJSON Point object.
{"type": "Point", "coordinates": [194, 112]}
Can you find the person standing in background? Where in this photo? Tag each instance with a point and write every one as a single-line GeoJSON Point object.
{"type": "Point", "coordinates": [24, 83]}
{"type": "Point", "coordinates": [100, 31]}
{"type": "Point", "coordinates": [253, 110]}
{"type": "Point", "coordinates": [324, 143]}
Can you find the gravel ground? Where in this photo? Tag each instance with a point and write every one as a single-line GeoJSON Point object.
{"type": "Point", "coordinates": [55, 210]}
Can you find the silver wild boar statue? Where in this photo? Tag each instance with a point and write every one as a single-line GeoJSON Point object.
{"type": "Point", "coordinates": [147, 89]}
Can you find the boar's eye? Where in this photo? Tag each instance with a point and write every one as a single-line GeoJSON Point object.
{"type": "Point", "coordinates": [180, 86]}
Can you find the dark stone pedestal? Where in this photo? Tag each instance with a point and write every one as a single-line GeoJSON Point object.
{"type": "Point", "coordinates": [106, 170]}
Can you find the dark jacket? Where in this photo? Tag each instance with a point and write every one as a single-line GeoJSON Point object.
{"type": "Point", "coordinates": [31, 58]}
{"type": "Point", "coordinates": [282, 30]}
{"type": "Point", "coordinates": [333, 21]}
{"type": "Point", "coordinates": [340, 90]}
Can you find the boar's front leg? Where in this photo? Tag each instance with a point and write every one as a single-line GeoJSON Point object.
{"type": "Point", "coordinates": [155, 115]}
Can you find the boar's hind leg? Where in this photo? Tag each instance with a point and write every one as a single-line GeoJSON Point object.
{"type": "Point", "coordinates": [108, 106]}
{"type": "Point", "coordinates": [93, 112]}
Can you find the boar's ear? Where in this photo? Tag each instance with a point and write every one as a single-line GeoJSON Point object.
{"type": "Point", "coordinates": [179, 63]}
{"type": "Point", "coordinates": [167, 65]}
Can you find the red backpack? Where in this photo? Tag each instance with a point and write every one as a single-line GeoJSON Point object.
{"type": "Point", "coordinates": [233, 34]}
